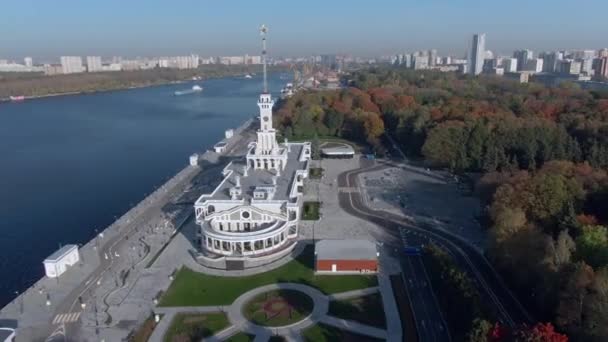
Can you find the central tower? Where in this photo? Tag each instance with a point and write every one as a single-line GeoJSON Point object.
{"type": "Point", "coordinates": [267, 142]}
{"type": "Point", "coordinates": [267, 153]}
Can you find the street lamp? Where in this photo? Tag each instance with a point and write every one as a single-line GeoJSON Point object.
{"type": "Point", "coordinates": [20, 302]}
{"type": "Point", "coordinates": [83, 305]}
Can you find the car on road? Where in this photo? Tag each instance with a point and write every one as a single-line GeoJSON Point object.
{"type": "Point", "coordinates": [412, 250]}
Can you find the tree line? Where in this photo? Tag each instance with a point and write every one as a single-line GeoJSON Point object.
{"type": "Point", "coordinates": [548, 234]}
{"type": "Point", "coordinates": [36, 84]}
{"type": "Point", "coordinates": [542, 153]}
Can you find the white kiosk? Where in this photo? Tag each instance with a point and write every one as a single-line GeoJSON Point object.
{"type": "Point", "coordinates": [59, 262]}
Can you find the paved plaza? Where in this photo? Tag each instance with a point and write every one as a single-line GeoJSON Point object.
{"type": "Point", "coordinates": [335, 223]}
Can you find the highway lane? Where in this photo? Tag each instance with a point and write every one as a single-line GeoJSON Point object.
{"type": "Point", "coordinates": [491, 286]}
{"type": "Point", "coordinates": [430, 322]}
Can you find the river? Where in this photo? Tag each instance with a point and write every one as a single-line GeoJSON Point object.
{"type": "Point", "coordinates": [71, 164]}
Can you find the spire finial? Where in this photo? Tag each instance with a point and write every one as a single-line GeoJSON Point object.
{"type": "Point", "coordinates": [263, 31]}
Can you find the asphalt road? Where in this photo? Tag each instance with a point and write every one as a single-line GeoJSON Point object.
{"type": "Point", "coordinates": [490, 284]}
{"type": "Point", "coordinates": [430, 322]}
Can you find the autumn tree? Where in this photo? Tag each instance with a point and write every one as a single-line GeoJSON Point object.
{"type": "Point", "coordinates": [540, 332]}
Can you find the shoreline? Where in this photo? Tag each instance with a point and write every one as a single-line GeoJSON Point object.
{"type": "Point", "coordinates": [202, 78]}
{"type": "Point", "coordinates": [71, 93]}
{"type": "Point", "coordinates": [115, 228]}
{"type": "Point", "coordinates": [87, 92]}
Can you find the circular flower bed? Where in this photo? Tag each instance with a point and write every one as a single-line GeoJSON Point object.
{"type": "Point", "coordinates": [278, 308]}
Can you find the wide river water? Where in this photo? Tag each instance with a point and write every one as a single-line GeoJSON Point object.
{"type": "Point", "coordinates": [70, 165]}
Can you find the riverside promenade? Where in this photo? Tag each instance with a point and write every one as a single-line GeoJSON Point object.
{"type": "Point", "coordinates": [113, 287]}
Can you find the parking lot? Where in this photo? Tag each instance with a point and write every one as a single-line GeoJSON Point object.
{"type": "Point", "coordinates": [426, 197]}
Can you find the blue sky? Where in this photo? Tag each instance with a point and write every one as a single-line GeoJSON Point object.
{"type": "Point", "coordinates": [46, 29]}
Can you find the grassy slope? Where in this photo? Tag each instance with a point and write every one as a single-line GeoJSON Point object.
{"type": "Point", "coordinates": [210, 324]}
{"type": "Point", "coordinates": [197, 289]}
{"type": "Point", "coordinates": [367, 310]}
{"type": "Point", "coordinates": [326, 333]}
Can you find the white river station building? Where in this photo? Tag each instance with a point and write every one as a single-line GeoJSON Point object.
{"type": "Point", "coordinates": [254, 211]}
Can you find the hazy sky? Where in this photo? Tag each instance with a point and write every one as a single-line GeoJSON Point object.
{"type": "Point", "coordinates": [46, 29]}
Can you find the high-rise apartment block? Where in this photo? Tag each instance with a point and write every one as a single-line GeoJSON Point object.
{"type": "Point", "coordinates": [569, 67]}
{"type": "Point", "coordinates": [600, 67]}
{"type": "Point", "coordinates": [586, 65]}
{"type": "Point", "coordinates": [523, 56]}
{"type": "Point", "coordinates": [509, 64]}
{"type": "Point", "coordinates": [478, 52]}
{"type": "Point", "coordinates": [420, 62]}
{"type": "Point", "coordinates": [550, 60]}
{"type": "Point", "coordinates": [94, 64]}
{"type": "Point", "coordinates": [534, 65]}
{"type": "Point", "coordinates": [432, 57]}
{"type": "Point", "coordinates": [71, 64]}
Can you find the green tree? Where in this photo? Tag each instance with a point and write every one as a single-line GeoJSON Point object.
{"type": "Point", "coordinates": [305, 125]}
{"type": "Point", "coordinates": [550, 195]}
{"type": "Point", "coordinates": [476, 145]}
{"type": "Point", "coordinates": [334, 121]}
{"type": "Point", "coordinates": [288, 132]}
{"type": "Point", "coordinates": [446, 146]}
{"type": "Point", "coordinates": [480, 331]}
{"type": "Point", "coordinates": [568, 220]}
{"type": "Point", "coordinates": [592, 246]}
{"type": "Point", "coordinates": [595, 307]}
{"type": "Point", "coordinates": [564, 247]}
{"type": "Point", "coordinates": [575, 280]}
{"type": "Point", "coordinates": [507, 222]}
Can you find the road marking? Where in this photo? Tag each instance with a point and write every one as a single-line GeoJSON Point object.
{"type": "Point", "coordinates": [60, 331]}
{"type": "Point", "coordinates": [66, 317]}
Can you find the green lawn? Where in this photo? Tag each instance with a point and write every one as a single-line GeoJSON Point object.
{"type": "Point", "coordinates": [276, 338]}
{"type": "Point", "coordinates": [194, 326]}
{"type": "Point", "coordinates": [197, 289]}
{"type": "Point", "coordinates": [315, 172]}
{"type": "Point", "coordinates": [278, 308]}
{"type": "Point", "coordinates": [311, 211]}
{"type": "Point", "coordinates": [241, 337]}
{"type": "Point", "coordinates": [326, 333]}
{"type": "Point", "coordinates": [367, 310]}
{"type": "Point", "coordinates": [358, 147]}
{"type": "Point", "coordinates": [144, 332]}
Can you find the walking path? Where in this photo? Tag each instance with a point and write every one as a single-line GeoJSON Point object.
{"type": "Point", "coordinates": [355, 327]}
{"type": "Point", "coordinates": [292, 332]}
{"type": "Point", "coordinates": [354, 293]}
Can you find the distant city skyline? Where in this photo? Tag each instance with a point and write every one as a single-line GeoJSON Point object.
{"type": "Point", "coordinates": [47, 30]}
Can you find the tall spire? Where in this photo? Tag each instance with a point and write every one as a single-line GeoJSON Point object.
{"type": "Point", "coordinates": [263, 31]}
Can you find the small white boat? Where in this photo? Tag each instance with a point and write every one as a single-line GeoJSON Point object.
{"type": "Point", "coordinates": [248, 76]}
{"type": "Point", "coordinates": [195, 89]}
